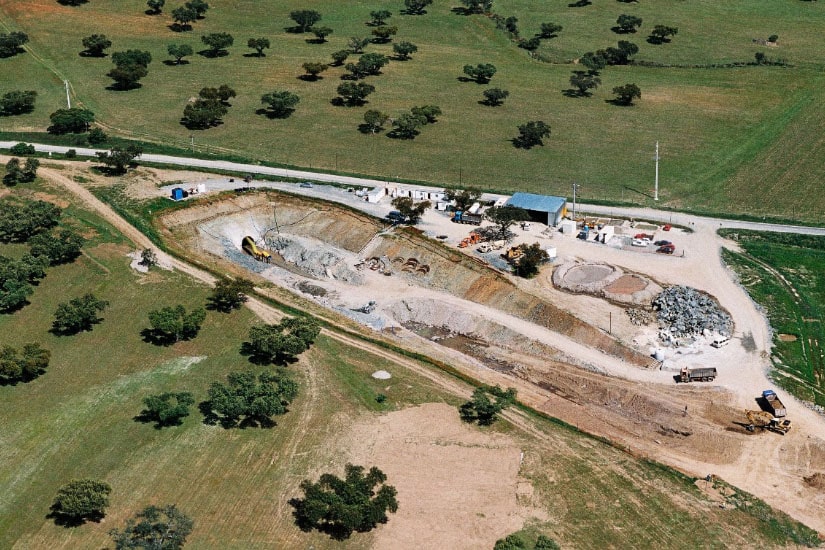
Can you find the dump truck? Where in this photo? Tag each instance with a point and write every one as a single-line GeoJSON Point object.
{"type": "Point", "coordinates": [249, 246]}
{"type": "Point", "coordinates": [766, 421]}
{"type": "Point", "coordinates": [465, 217]}
{"type": "Point", "coordinates": [774, 404]}
{"type": "Point", "coordinates": [697, 375]}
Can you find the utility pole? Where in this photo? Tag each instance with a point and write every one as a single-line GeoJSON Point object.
{"type": "Point", "coordinates": [656, 185]}
{"type": "Point", "coordinates": [68, 99]}
{"type": "Point", "coordinates": [575, 188]}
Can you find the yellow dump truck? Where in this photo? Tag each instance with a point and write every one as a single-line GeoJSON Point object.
{"type": "Point", "coordinates": [252, 249]}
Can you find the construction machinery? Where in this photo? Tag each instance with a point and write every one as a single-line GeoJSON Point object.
{"type": "Point", "coordinates": [766, 421]}
{"type": "Point", "coordinates": [513, 253]}
{"type": "Point", "coordinates": [697, 375]}
{"type": "Point", "coordinates": [774, 404]}
{"type": "Point", "coordinates": [471, 239]}
{"type": "Point", "coordinates": [461, 216]}
{"type": "Point", "coordinates": [249, 246]}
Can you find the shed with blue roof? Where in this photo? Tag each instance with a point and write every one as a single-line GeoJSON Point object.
{"type": "Point", "coordinates": [542, 208]}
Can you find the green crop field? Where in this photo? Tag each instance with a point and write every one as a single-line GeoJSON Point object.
{"type": "Point", "coordinates": [741, 140]}
{"type": "Point", "coordinates": [784, 274]}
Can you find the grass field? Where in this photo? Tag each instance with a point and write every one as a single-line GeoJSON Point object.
{"type": "Point", "coordinates": [726, 135]}
{"type": "Point", "coordinates": [793, 303]}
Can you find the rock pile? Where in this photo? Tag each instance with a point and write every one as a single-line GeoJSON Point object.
{"type": "Point", "coordinates": [640, 317]}
{"type": "Point", "coordinates": [684, 311]}
{"type": "Point", "coordinates": [316, 259]}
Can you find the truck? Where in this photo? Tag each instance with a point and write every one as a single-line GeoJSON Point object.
{"type": "Point", "coordinates": [697, 375]}
{"type": "Point", "coordinates": [465, 217]}
{"type": "Point", "coordinates": [774, 404]}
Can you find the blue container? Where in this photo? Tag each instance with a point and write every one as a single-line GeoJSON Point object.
{"type": "Point", "coordinates": [177, 194]}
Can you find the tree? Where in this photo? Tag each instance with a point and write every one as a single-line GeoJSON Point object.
{"type": "Point", "coordinates": [130, 67]}
{"type": "Point", "coordinates": [504, 217]}
{"type": "Point", "coordinates": [96, 136]}
{"type": "Point", "coordinates": [305, 19]}
{"type": "Point", "coordinates": [626, 24]}
{"type": "Point", "coordinates": [95, 45]}
{"type": "Point", "coordinates": [179, 51]}
{"type": "Point", "coordinates": [313, 69]}
{"type": "Point", "coordinates": [384, 34]}
{"type": "Point", "coordinates": [478, 6]}
{"type": "Point", "coordinates": [354, 93]}
{"type": "Point", "coordinates": [529, 262]}
{"type": "Point", "coordinates": [148, 258]}
{"type": "Point", "coordinates": [583, 82]}
{"type": "Point", "coordinates": [282, 342]}
{"type": "Point", "coordinates": [17, 102]}
{"type": "Point", "coordinates": [167, 409]}
{"type": "Point", "coordinates": [23, 366]}
{"type": "Point", "coordinates": [154, 528]}
{"type": "Point", "coordinates": [58, 249]}
{"type": "Point", "coordinates": [223, 94]}
{"type": "Point", "coordinates": [252, 402]}
{"type": "Point", "coordinates": [118, 158]}
{"type": "Point", "coordinates": [15, 173]}
{"type": "Point", "coordinates": [321, 33]}
{"type": "Point", "coordinates": [379, 17]}
{"type": "Point", "coordinates": [339, 57]}
{"type": "Point", "coordinates": [198, 6]}
{"type": "Point", "coordinates": [18, 223]}
{"type": "Point", "coordinates": [619, 55]}
{"type": "Point", "coordinates": [172, 324]}
{"type": "Point", "coordinates": [481, 73]}
{"type": "Point", "coordinates": [74, 120]}
{"type": "Point", "coordinates": [773, 38]}
{"type": "Point", "coordinates": [483, 410]}
{"type": "Point", "coordinates": [217, 42]}
{"type": "Point", "coordinates": [155, 6]}
{"type": "Point", "coordinates": [531, 134]}
{"type": "Point", "coordinates": [594, 61]}
{"type": "Point", "coordinates": [464, 198]}
{"type": "Point", "coordinates": [626, 94]}
{"type": "Point", "coordinates": [78, 314]}
{"type": "Point", "coordinates": [404, 50]}
{"type": "Point", "coordinates": [22, 149]}
{"type": "Point", "coordinates": [203, 113]}
{"type": "Point", "coordinates": [550, 30]}
{"type": "Point", "coordinates": [494, 97]}
{"type": "Point", "coordinates": [183, 18]}
{"type": "Point", "coordinates": [259, 44]}
{"type": "Point", "coordinates": [230, 294]}
{"type": "Point", "coordinates": [416, 7]}
{"type": "Point", "coordinates": [11, 43]}
{"type": "Point", "coordinates": [368, 64]}
{"type": "Point", "coordinates": [661, 34]}
{"type": "Point", "coordinates": [280, 104]}
{"type": "Point", "coordinates": [82, 499]}
{"type": "Point", "coordinates": [429, 113]}
{"type": "Point", "coordinates": [546, 543]}
{"type": "Point", "coordinates": [356, 44]}
{"type": "Point", "coordinates": [340, 507]}
{"type": "Point", "coordinates": [407, 126]}
{"type": "Point", "coordinates": [530, 44]}
{"type": "Point", "coordinates": [409, 209]}
{"type": "Point", "coordinates": [511, 542]}
{"type": "Point", "coordinates": [375, 120]}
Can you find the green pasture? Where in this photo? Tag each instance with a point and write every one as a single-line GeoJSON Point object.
{"type": "Point", "coordinates": [725, 134]}
{"type": "Point", "coordinates": [796, 318]}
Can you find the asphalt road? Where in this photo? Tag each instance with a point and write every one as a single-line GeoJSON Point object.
{"type": "Point", "coordinates": [663, 216]}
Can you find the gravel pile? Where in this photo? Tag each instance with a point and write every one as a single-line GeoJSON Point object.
{"type": "Point", "coordinates": [316, 260]}
{"type": "Point", "coordinates": [640, 317]}
{"type": "Point", "coordinates": [684, 311]}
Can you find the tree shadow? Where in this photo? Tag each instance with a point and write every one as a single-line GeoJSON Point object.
{"type": "Point", "coordinates": [572, 92]}
{"type": "Point", "coordinates": [146, 417]}
{"type": "Point", "coordinates": [395, 134]}
{"type": "Point", "coordinates": [64, 520]}
{"type": "Point", "coordinates": [249, 351]}
{"type": "Point", "coordinates": [192, 125]}
{"type": "Point", "coordinates": [254, 54]}
{"type": "Point", "coordinates": [341, 102]}
{"type": "Point", "coordinates": [521, 143]}
{"type": "Point", "coordinates": [335, 532]}
{"type": "Point", "coordinates": [316, 40]}
{"type": "Point", "coordinates": [619, 103]}
{"type": "Point", "coordinates": [579, 4]}
{"type": "Point", "coordinates": [173, 63]}
{"type": "Point", "coordinates": [12, 309]}
{"type": "Point", "coordinates": [365, 128]}
{"type": "Point", "coordinates": [72, 2]}
{"type": "Point", "coordinates": [294, 30]}
{"type": "Point", "coordinates": [213, 54]}
{"type": "Point", "coordinates": [310, 77]}
{"type": "Point", "coordinates": [272, 115]}
{"type": "Point", "coordinates": [125, 87]}
{"type": "Point", "coordinates": [408, 12]}
{"type": "Point", "coordinates": [87, 53]}
{"type": "Point", "coordinates": [460, 10]}
{"type": "Point", "coordinates": [490, 103]}
{"type": "Point", "coordinates": [657, 40]}
{"type": "Point", "coordinates": [209, 416]}
{"type": "Point", "coordinates": [177, 27]}
{"type": "Point", "coordinates": [619, 30]}
{"type": "Point", "coordinates": [155, 337]}
{"type": "Point", "coordinates": [152, 12]}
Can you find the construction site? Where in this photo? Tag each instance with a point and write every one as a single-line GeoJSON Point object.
{"type": "Point", "coordinates": [661, 353]}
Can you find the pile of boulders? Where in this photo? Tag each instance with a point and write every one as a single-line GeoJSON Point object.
{"type": "Point", "coordinates": [640, 317]}
{"type": "Point", "coordinates": [684, 311]}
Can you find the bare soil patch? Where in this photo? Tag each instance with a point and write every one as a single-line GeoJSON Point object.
{"type": "Point", "coordinates": [457, 484]}
{"type": "Point", "coordinates": [817, 481]}
{"type": "Point", "coordinates": [626, 284]}
{"type": "Point", "coordinates": [788, 337]}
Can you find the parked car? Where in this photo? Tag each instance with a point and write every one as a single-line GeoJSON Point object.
{"type": "Point", "coordinates": [525, 226]}
{"type": "Point", "coordinates": [640, 242]}
{"type": "Point", "coordinates": [666, 249]}
{"type": "Point", "coordinates": [667, 227]}
{"type": "Point", "coordinates": [307, 184]}
{"type": "Point", "coordinates": [662, 243]}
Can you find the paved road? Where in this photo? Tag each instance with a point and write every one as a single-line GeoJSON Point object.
{"type": "Point", "coordinates": [664, 216]}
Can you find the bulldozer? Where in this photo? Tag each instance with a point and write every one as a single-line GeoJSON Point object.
{"type": "Point", "coordinates": [513, 253]}
{"type": "Point", "coordinates": [766, 421]}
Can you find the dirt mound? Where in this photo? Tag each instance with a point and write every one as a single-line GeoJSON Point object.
{"type": "Point", "coordinates": [817, 481]}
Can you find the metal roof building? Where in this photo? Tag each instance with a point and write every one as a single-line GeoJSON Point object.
{"type": "Point", "coordinates": [542, 208]}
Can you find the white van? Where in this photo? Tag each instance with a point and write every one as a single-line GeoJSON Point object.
{"type": "Point", "coordinates": [720, 341]}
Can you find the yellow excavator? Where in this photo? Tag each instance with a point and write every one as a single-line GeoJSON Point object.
{"type": "Point", "coordinates": [766, 421]}
{"type": "Point", "coordinates": [249, 246]}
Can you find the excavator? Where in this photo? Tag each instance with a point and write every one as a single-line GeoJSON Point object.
{"type": "Point", "coordinates": [766, 421]}
{"type": "Point", "coordinates": [249, 246]}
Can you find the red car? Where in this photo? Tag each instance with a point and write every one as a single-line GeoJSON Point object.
{"type": "Point", "coordinates": [666, 249]}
